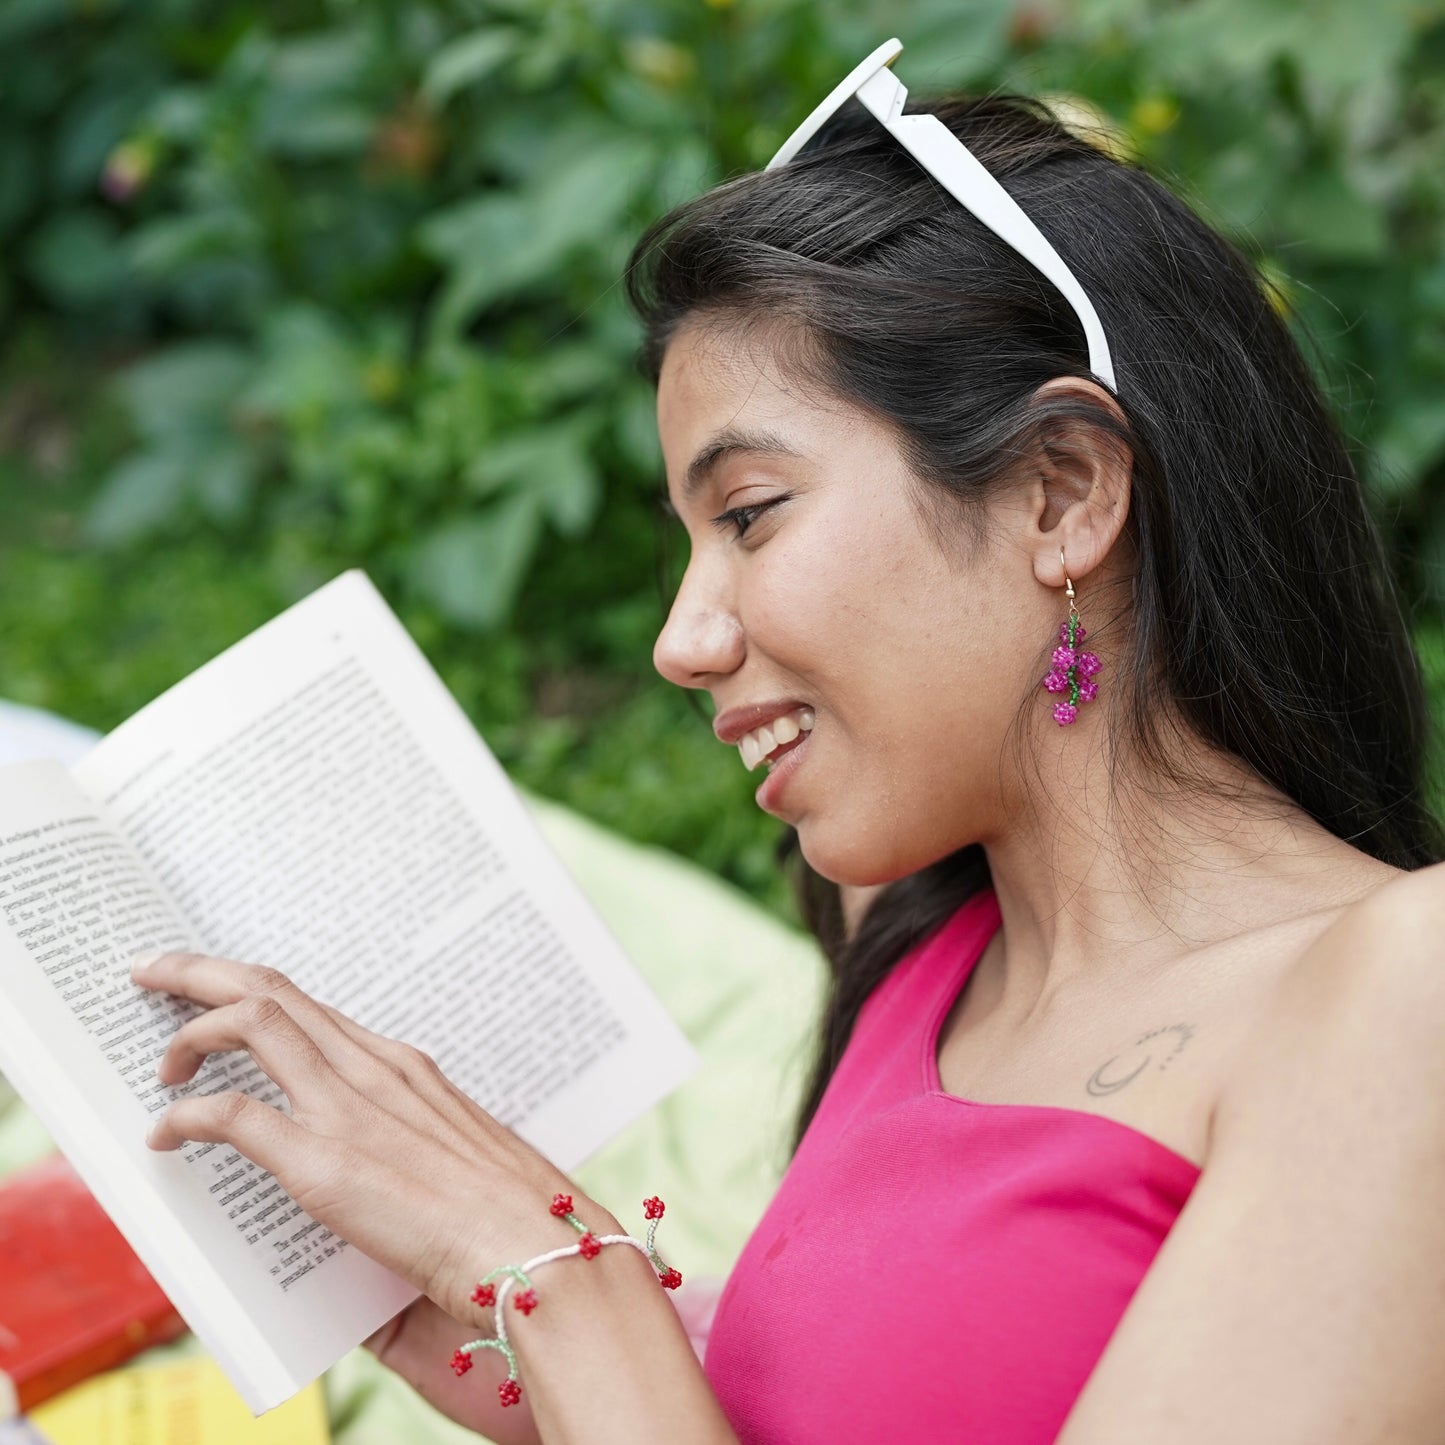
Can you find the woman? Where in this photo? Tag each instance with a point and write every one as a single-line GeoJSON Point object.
{"type": "Point", "coordinates": [1129, 1115]}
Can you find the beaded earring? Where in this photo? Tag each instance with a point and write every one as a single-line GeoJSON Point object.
{"type": "Point", "coordinates": [1073, 671]}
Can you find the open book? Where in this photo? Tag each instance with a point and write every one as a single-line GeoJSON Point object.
{"type": "Point", "coordinates": [313, 799]}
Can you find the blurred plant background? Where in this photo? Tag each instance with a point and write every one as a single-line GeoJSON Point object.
{"type": "Point", "coordinates": [294, 287]}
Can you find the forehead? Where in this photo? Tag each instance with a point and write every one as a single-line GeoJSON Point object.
{"type": "Point", "coordinates": [723, 390]}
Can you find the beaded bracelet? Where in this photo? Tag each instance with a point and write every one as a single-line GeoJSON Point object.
{"type": "Point", "coordinates": [589, 1247]}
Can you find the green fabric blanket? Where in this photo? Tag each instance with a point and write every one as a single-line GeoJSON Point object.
{"type": "Point", "coordinates": [743, 987]}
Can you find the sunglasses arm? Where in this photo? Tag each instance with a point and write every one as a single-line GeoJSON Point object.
{"type": "Point", "coordinates": [954, 166]}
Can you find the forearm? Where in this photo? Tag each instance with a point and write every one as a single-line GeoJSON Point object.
{"type": "Point", "coordinates": [605, 1358]}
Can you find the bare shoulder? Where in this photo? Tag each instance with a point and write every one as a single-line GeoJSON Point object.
{"type": "Point", "coordinates": [1368, 993]}
{"type": "Point", "coordinates": [1389, 943]}
{"type": "Point", "coordinates": [1301, 1291]}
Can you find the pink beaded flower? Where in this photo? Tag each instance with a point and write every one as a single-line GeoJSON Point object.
{"type": "Point", "coordinates": [1072, 672]}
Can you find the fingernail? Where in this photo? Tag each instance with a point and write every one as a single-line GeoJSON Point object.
{"type": "Point", "coordinates": [143, 960]}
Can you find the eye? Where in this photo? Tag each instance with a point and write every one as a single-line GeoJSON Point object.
{"type": "Point", "coordinates": [741, 518]}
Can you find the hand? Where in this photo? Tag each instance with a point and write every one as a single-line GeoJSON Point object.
{"type": "Point", "coordinates": [379, 1146]}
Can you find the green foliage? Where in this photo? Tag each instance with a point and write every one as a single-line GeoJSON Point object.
{"type": "Point", "coordinates": [291, 288]}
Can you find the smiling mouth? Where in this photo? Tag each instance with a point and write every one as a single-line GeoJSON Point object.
{"type": "Point", "coordinates": [769, 742]}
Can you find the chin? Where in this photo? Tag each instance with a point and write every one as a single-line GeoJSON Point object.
{"type": "Point", "coordinates": [866, 864]}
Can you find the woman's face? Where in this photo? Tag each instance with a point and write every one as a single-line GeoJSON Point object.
{"type": "Point", "coordinates": [885, 664]}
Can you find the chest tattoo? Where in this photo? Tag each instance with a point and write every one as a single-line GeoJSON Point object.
{"type": "Point", "coordinates": [1152, 1050]}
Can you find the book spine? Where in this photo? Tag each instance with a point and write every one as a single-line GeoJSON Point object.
{"type": "Point", "coordinates": [103, 1354]}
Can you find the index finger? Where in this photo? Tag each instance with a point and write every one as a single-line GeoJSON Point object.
{"type": "Point", "coordinates": [207, 979]}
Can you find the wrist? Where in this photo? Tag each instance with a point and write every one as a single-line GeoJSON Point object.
{"type": "Point", "coordinates": [587, 1294]}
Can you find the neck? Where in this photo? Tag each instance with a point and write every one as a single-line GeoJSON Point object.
{"type": "Point", "coordinates": [1100, 888]}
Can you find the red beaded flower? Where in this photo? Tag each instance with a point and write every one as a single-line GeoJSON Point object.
{"type": "Point", "coordinates": [561, 1205]}
{"type": "Point", "coordinates": [589, 1246]}
{"type": "Point", "coordinates": [670, 1278]}
{"type": "Point", "coordinates": [461, 1362]}
{"type": "Point", "coordinates": [509, 1392]}
{"type": "Point", "coordinates": [652, 1208]}
{"type": "Point", "coordinates": [525, 1300]}
{"type": "Point", "coordinates": [484, 1294]}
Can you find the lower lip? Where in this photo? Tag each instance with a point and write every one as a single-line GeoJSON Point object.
{"type": "Point", "coordinates": [770, 790]}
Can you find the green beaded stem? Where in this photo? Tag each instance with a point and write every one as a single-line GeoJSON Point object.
{"type": "Point", "coordinates": [658, 1263]}
{"type": "Point", "coordinates": [501, 1345]}
{"type": "Point", "coordinates": [1074, 670]}
{"type": "Point", "coordinates": [510, 1269]}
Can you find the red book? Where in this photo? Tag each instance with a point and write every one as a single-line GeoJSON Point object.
{"type": "Point", "coordinates": [74, 1299]}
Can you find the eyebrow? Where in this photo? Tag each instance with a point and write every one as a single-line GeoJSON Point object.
{"type": "Point", "coordinates": [729, 441]}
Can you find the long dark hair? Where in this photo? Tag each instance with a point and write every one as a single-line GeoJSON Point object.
{"type": "Point", "coordinates": [1262, 614]}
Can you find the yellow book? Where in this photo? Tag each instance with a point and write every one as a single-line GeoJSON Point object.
{"type": "Point", "coordinates": [188, 1402]}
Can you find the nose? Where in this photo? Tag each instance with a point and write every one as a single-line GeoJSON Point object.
{"type": "Point", "coordinates": [702, 637]}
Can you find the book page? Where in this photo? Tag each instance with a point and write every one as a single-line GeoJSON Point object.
{"type": "Point", "coordinates": [81, 1042]}
{"type": "Point", "coordinates": [315, 800]}
{"type": "Point", "coordinates": [322, 839]}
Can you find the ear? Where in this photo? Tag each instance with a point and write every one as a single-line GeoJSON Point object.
{"type": "Point", "coordinates": [1082, 492]}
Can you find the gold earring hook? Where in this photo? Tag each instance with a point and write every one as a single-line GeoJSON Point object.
{"type": "Point", "coordinates": [1068, 584]}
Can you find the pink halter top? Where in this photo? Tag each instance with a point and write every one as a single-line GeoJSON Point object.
{"type": "Point", "coordinates": [932, 1268]}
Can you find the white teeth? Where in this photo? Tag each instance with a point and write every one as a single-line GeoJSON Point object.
{"type": "Point", "coordinates": [756, 745]}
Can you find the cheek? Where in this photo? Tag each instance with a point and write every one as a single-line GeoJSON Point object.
{"type": "Point", "coordinates": [838, 591]}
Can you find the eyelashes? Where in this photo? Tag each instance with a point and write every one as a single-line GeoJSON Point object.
{"type": "Point", "coordinates": [741, 518]}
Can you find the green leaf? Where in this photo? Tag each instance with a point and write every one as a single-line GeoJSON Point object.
{"type": "Point", "coordinates": [224, 481]}
{"type": "Point", "coordinates": [76, 257]}
{"type": "Point", "coordinates": [315, 127]}
{"type": "Point", "coordinates": [307, 363]}
{"type": "Point", "coordinates": [1324, 214]}
{"type": "Point", "coordinates": [170, 243]}
{"type": "Point", "coordinates": [328, 59]}
{"type": "Point", "coordinates": [500, 245]}
{"type": "Point", "coordinates": [137, 496]}
{"type": "Point", "coordinates": [186, 389]}
{"type": "Point", "coordinates": [1411, 439]}
{"type": "Point", "coordinates": [454, 234]}
{"type": "Point", "coordinates": [179, 113]}
{"type": "Point", "coordinates": [21, 17]}
{"type": "Point", "coordinates": [586, 195]}
{"type": "Point", "coordinates": [470, 568]}
{"type": "Point", "coordinates": [635, 427]}
{"type": "Point", "coordinates": [553, 464]}
{"type": "Point", "coordinates": [468, 60]}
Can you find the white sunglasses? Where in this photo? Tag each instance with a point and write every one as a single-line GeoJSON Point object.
{"type": "Point", "coordinates": [954, 167]}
